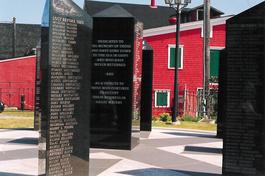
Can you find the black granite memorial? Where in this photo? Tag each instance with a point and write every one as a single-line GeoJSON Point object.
{"type": "Point", "coordinates": [37, 113]}
{"type": "Point", "coordinates": [221, 94]}
{"type": "Point", "coordinates": [147, 88]}
{"type": "Point", "coordinates": [64, 90]}
{"type": "Point", "coordinates": [244, 132]}
{"type": "Point", "coordinates": [116, 79]}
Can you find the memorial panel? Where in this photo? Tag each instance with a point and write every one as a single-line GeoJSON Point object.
{"type": "Point", "coordinates": [244, 133]}
{"type": "Point", "coordinates": [147, 88]}
{"type": "Point", "coordinates": [37, 113]}
{"type": "Point", "coordinates": [116, 80]}
{"type": "Point", "coordinates": [64, 89]}
{"type": "Point", "coordinates": [221, 94]}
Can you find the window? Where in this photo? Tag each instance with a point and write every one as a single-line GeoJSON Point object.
{"type": "Point", "coordinates": [171, 57]}
{"type": "Point", "coordinates": [214, 63]}
{"type": "Point", "coordinates": [162, 98]}
{"type": "Point", "coordinates": [211, 31]}
{"type": "Point", "coordinates": [200, 14]}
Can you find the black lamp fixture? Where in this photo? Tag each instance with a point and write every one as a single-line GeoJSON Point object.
{"type": "Point", "coordinates": [177, 2]}
{"type": "Point", "coordinates": [178, 5]}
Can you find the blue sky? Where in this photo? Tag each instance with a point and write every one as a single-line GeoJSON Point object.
{"type": "Point", "coordinates": [30, 11]}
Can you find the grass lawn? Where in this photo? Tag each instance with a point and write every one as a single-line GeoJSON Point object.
{"type": "Point", "coordinates": [17, 113]}
{"type": "Point", "coordinates": [16, 123]}
{"type": "Point", "coordinates": [187, 125]}
{"type": "Point", "coordinates": [16, 119]}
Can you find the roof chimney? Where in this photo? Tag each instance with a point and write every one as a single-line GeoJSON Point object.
{"type": "Point", "coordinates": [153, 4]}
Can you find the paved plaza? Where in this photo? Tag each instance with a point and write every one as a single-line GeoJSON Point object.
{"type": "Point", "coordinates": [163, 152]}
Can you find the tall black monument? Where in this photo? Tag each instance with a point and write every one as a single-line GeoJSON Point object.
{"type": "Point", "coordinates": [221, 94]}
{"type": "Point", "coordinates": [244, 132]}
{"type": "Point", "coordinates": [116, 79]}
{"type": "Point", "coordinates": [64, 89]}
{"type": "Point", "coordinates": [147, 88]}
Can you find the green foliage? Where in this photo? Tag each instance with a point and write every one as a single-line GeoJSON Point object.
{"type": "Point", "coordinates": [155, 118]}
{"type": "Point", "coordinates": [165, 117]}
{"type": "Point", "coordinates": [189, 118]}
{"type": "Point", "coordinates": [197, 119]}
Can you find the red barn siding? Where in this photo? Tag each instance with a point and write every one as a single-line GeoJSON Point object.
{"type": "Point", "coordinates": [17, 78]}
{"type": "Point", "coordinates": [192, 73]}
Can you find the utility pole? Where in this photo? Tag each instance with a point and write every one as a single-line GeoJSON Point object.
{"type": "Point", "coordinates": [14, 38]}
{"type": "Point", "coordinates": [206, 57]}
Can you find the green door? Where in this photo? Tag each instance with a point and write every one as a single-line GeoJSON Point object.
{"type": "Point", "coordinates": [214, 63]}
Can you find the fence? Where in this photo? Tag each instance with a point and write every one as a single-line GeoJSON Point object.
{"type": "Point", "coordinates": [11, 94]}
{"type": "Point", "coordinates": [193, 103]}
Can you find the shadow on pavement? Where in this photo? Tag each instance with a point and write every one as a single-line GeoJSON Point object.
{"type": "Point", "coordinates": [31, 141]}
{"type": "Point", "coordinates": [203, 149]}
{"type": "Point", "coordinates": [16, 129]}
{"type": "Point", "coordinates": [191, 134]}
{"type": "Point", "coordinates": [12, 174]}
{"type": "Point", "coordinates": [165, 172]}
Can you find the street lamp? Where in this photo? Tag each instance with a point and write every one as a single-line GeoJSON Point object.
{"type": "Point", "coordinates": [178, 5]}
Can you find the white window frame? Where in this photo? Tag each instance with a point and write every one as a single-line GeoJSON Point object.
{"type": "Point", "coordinates": [197, 13]}
{"type": "Point", "coordinates": [181, 57]}
{"type": "Point", "coordinates": [211, 31]}
{"type": "Point", "coordinates": [217, 47]}
{"type": "Point", "coordinates": [168, 98]}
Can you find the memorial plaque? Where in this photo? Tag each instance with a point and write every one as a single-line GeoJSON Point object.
{"type": "Point", "coordinates": [147, 88]}
{"type": "Point", "coordinates": [244, 134]}
{"type": "Point", "coordinates": [65, 83]}
{"type": "Point", "coordinates": [116, 79]}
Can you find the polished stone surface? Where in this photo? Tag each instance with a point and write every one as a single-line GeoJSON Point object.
{"type": "Point", "coordinates": [65, 69]}
{"type": "Point", "coordinates": [116, 80]}
{"type": "Point", "coordinates": [147, 88]}
{"type": "Point", "coordinates": [221, 93]}
{"type": "Point", "coordinates": [244, 132]}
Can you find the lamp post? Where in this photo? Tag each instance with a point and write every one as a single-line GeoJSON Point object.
{"type": "Point", "coordinates": [178, 5]}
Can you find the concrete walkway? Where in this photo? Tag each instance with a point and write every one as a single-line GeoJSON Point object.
{"type": "Point", "coordinates": [163, 152]}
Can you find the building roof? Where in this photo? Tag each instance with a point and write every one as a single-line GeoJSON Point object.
{"type": "Point", "coordinates": [17, 59]}
{"type": "Point", "coordinates": [27, 35]}
{"type": "Point", "coordinates": [200, 7]}
{"type": "Point", "coordinates": [151, 17]}
{"type": "Point", "coordinates": [183, 27]}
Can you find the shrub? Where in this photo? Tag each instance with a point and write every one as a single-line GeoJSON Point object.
{"type": "Point", "coordinates": [197, 119]}
{"type": "Point", "coordinates": [165, 117]}
{"type": "Point", "coordinates": [155, 118]}
{"type": "Point", "coordinates": [189, 118]}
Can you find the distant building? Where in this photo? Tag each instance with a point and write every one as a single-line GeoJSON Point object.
{"type": "Point", "coordinates": [196, 14]}
{"type": "Point", "coordinates": [17, 79]}
{"type": "Point", "coordinates": [190, 64]}
{"type": "Point", "coordinates": [27, 38]}
{"type": "Point", "coordinates": [152, 17]}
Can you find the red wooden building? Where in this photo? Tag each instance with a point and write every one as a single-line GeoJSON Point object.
{"type": "Point", "coordinates": [17, 79]}
{"type": "Point", "coordinates": [190, 65]}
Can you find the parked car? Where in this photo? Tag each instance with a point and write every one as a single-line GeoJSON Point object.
{"type": "Point", "coordinates": [2, 106]}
